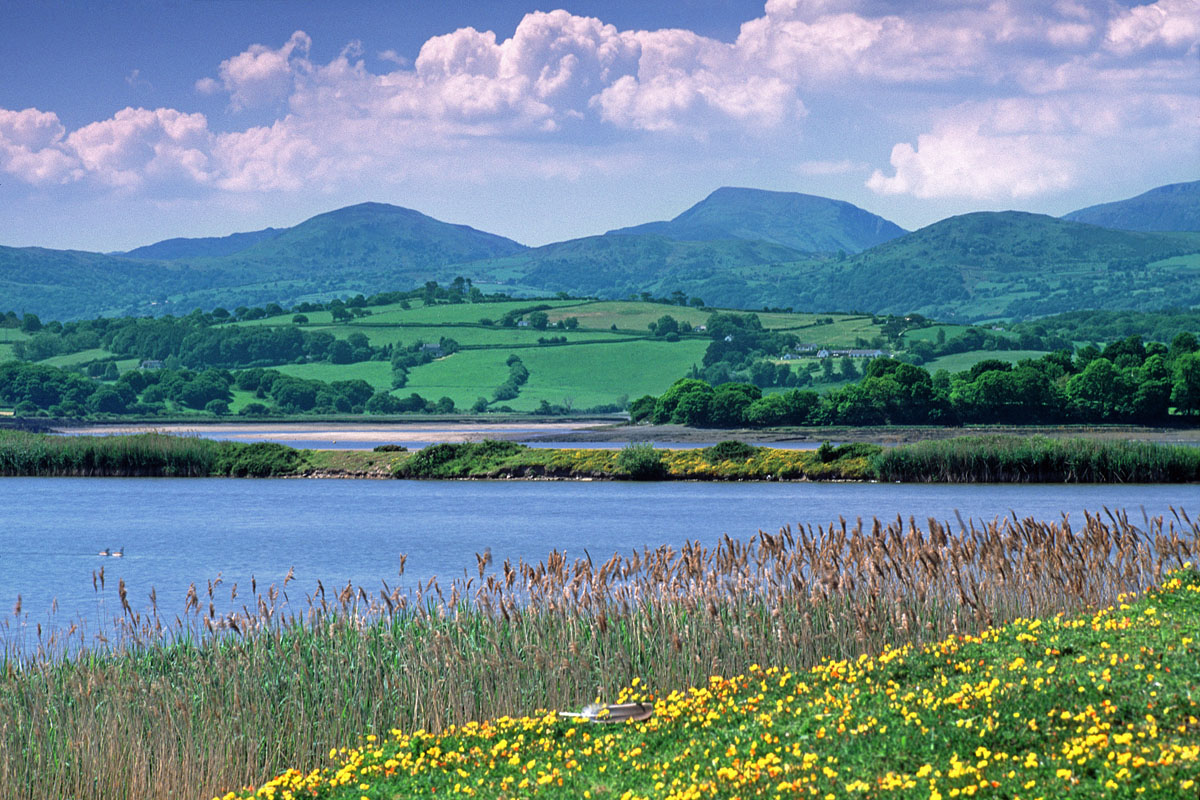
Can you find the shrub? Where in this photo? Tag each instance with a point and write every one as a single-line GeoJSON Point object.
{"type": "Point", "coordinates": [390, 448]}
{"type": "Point", "coordinates": [257, 460]}
{"type": "Point", "coordinates": [641, 462]}
{"type": "Point", "coordinates": [730, 451]}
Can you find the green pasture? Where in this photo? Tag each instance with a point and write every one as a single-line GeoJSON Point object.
{"type": "Point", "coordinates": [597, 374]}
{"type": "Point", "coordinates": [376, 373]}
{"type": "Point", "coordinates": [930, 334]}
{"type": "Point", "coordinates": [844, 332]}
{"type": "Point", "coordinates": [587, 374]}
{"type": "Point", "coordinates": [958, 362]}
{"type": "Point", "coordinates": [470, 335]}
{"type": "Point", "coordinates": [455, 313]}
{"type": "Point", "coordinates": [636, 316]}
{"type": "Point", "coordinates": [82, 357]}
{"type": "Point", "coordinates": [314, 318]}
{"type": "Point", "coordinates": [463, 377]}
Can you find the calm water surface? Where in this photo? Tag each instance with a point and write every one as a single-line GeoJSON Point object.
{"type": "Point", "coordinates": [178, 531]}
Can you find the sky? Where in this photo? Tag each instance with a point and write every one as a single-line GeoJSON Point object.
{"type": "Point", "coordinates": [123, 123]}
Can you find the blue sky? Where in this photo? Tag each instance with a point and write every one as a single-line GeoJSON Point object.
{"type": "Point", "coordinates": [135, 121]}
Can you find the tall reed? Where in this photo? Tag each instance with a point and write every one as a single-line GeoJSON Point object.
{"type": "Point", "coordinates": [140, 455]}
{"type": "Point", "coordinates": [180, 705]}
{"type": "Point", "coordinates": [1036, 459]}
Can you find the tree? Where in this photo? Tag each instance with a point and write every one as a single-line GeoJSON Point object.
{"type": "Point", "coordinates": [666, 324]}
{"type": "Point", "coordinates": [642, 409]}
{"type": "Point", "coordinates": [217, 407]}
{"type": "Point", "coordinates": [106, 400]}
{"type": "Point", "coordinates": [30, 323]}
{"type": "Point", "coordinates": [1185, 390]}
{"type": "Point", "coordinates": [300, 319]}
{"type": "Point", "coordinates": [383, 403]}
{"type": "Point", "coordinates": [539, 320]}
{"type": "Point", "coordinates": [664, 407]}
{"type": "Point", "coordinates": [340, 352]}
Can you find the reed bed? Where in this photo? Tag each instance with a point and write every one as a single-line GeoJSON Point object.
{"type": "Point", "coordinates": [183, 705]}
{"type": "Point", "coordinates": [140, 455]}
{"type": "Point", "coordinates": [1036, 459]}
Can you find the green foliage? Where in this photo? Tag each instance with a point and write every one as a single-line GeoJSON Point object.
{"type": "Point", "coordinates": [256, 460]}
{"type": "Point", "coordinates": [458, 460]}
{"type": "Point", "coordinates": [730, 450]}
{"type": "Point", "coordinates": [640, 461]}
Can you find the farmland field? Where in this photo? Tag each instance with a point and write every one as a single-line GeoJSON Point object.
{"type": "Point", "coordinates": [469, 335]}
{"type": "Point", "coordinates": [636, 316]}
{"type": "Point", "coordinates": [458, 312]}
{"type": "Point", "coordinates": [930, 334]}
{"type": "Point", "coordinates": [590, 375]}
{"type": "Point", "coordinates": [962, 361]}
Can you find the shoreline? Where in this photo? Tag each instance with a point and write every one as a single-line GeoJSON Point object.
{"type": "Point", "coordinates": [994, 458]}
{"type": "Point", "coordinates": [592, 431]}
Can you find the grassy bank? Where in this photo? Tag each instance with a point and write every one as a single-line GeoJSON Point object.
{"type": "Point", "coordinates": [1100, 705]}
{"type": "Point", "coordinates": [238, 698]}
{"type": "Point", "coordinates": [1011, 459]}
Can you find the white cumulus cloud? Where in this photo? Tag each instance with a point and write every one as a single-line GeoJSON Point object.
{"type": "Point", "coordinates": [960, 161]}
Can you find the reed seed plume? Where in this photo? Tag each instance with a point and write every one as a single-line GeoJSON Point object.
{"type": "Point", "coordinates": [183, 705]}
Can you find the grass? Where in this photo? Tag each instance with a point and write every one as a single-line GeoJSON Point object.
{"type": "Point", "coordinates": [468, 335]}
{"type": "Point", "coordinates": [930, 334]}
{"type": "Point", "coordinates": [458, 312]}
{"type": "Point", "coordinates": [81, 357]}
{"type": "Point", "coordinates": [602, 374]}
{"type": "Point", "coordinates": [188, 702]}
{"type": "Point", "coordinates": [635, 316]}
{"type": "Point", "coordinates": [376, 373]}
{"type": "Point", "coordinates": [590, 375]}
{"type": "Point", "coordinates": [958, 362]}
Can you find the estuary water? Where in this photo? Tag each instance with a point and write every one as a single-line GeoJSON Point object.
{"type": "Point", "coordinates": [174, 532]}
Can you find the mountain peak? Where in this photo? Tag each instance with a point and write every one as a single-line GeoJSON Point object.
{"type": "Point", "coordinates": [804, 222]}
{"type": "Point", "coordinates": [1174, 207]}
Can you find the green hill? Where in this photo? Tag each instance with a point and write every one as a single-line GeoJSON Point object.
{"type": "Point", "coordinates": [618, 266]}
{"type": "Point", "coordinates": [1009, 264]}
{"type": "Point", "coordinates": [363, 248]}
{"type": "Point", "coordinates": [205, 247]}
{"type": "Point", "coordinates": [802, 222]}
{"type": "Point", "coordinates": [1175, 207]}
{"type": "Point", "coordinates": [67, 284]}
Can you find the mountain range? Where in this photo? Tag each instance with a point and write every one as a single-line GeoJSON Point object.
{"type": "Point", "coordinates": [738, 247]}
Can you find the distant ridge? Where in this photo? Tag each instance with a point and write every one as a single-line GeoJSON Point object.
{"type": "Point", "coordinates": [803, 222]}
{"type": "Point", "coordinates": [367, 248]}
{"type": "Point", "coordinates": [204, 247]}
{"type": "Point", "coordinates": [1175, 207]}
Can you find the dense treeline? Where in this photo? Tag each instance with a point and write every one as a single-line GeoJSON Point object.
{"type": "Point", "coordinates": [1109, 326]}
{"type": "Point", "coordinates": [36, 388]}
{"type": "Point", "coordinates": [1127, 381]}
